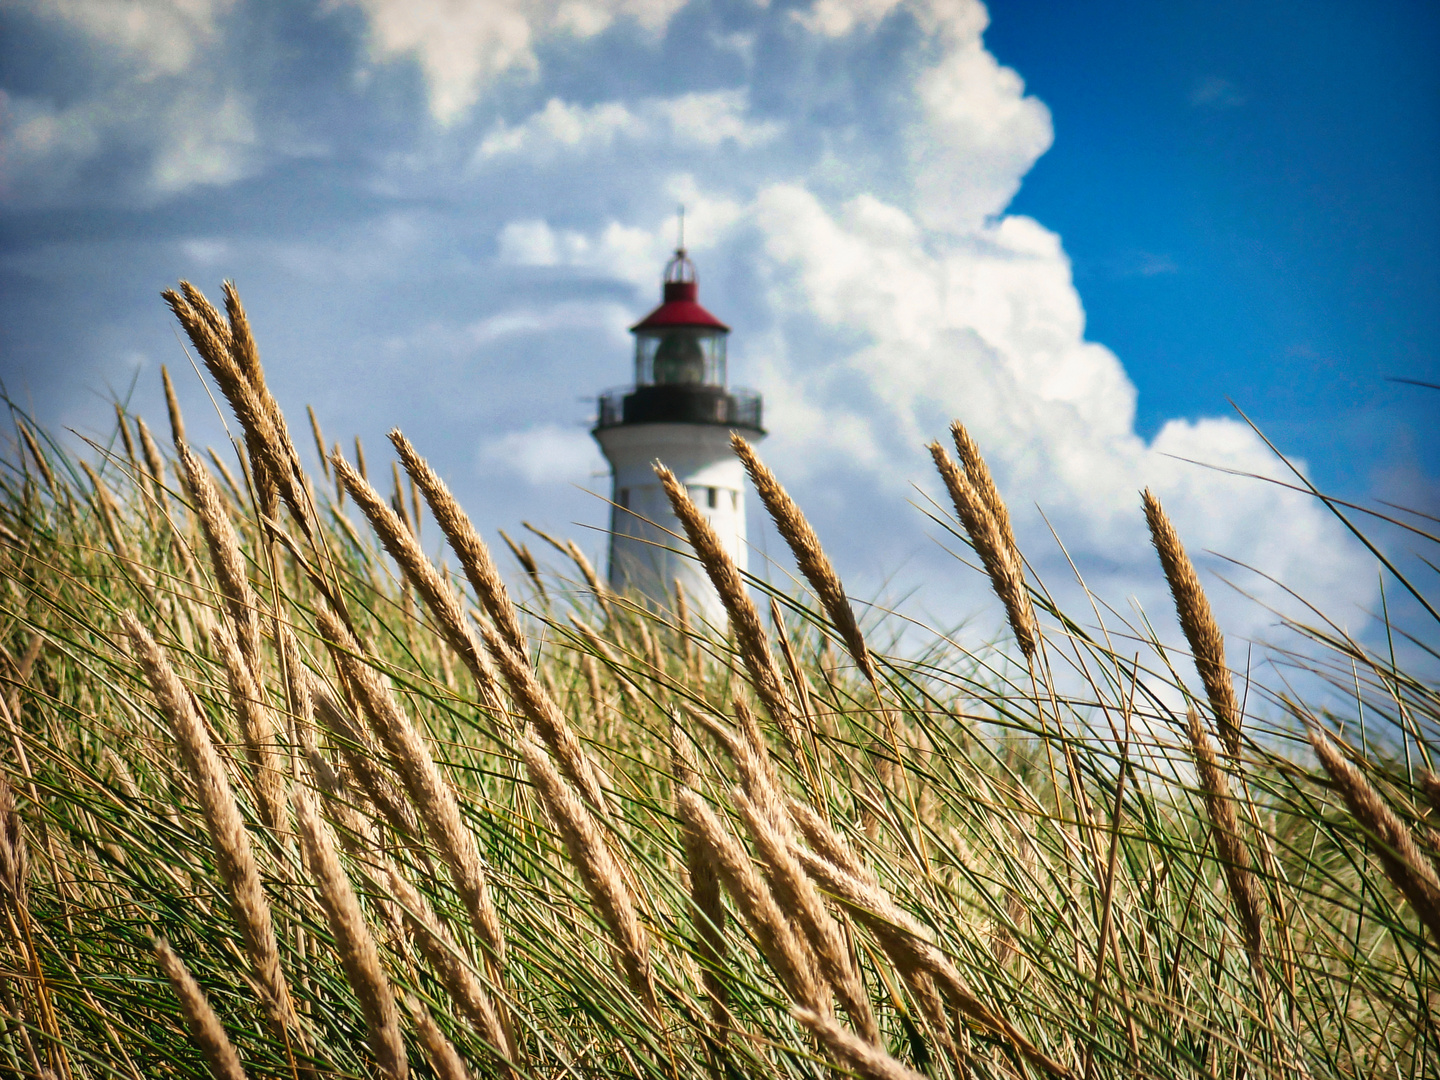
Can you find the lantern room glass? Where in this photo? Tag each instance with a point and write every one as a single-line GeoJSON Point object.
{"type": "Point", "coordinates": [680, 356]}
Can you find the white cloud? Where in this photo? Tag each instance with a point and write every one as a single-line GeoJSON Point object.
{"type": "Point", "coordinates": [561, 126]}
{"type": "Point", "coordinates": [836, 18]}
{"type": "Point", "coordinates": [715, 118]}
{"type": "Point", "coordinates": [44, 146]}
{"type": "Point", "coordinates": [979, 133]}
{"type": "Point", "coordinates": [700, 119]}
{"type": "Point", "coordinates": [206, 142]}
{"type": "Point", "coordinates": [544, 454]}
{"type": "Point", "coordinates": [988, 327]}
{"type": "Point", "coordinates": [163, 36]}
{"type": "Point", "coordinates": [462, 45]}
{"type": "Point", "coordinates": [628, 252]}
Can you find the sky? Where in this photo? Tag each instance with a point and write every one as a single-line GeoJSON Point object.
{"type": "Point", "coordinates": [1084, 230]}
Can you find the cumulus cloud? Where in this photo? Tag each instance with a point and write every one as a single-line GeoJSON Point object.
{"type": "Point", "coordinates": [630, 252]}
{"type": "Point", "coordinates": [462, 46]}
{"type": "Point", "coordinates": [164, 37]}
{"type": "Point", "coordinates": [873, 302]}
{"type": "Point", "coordinates": [205, 142]}
{"type": "Point", "coordinates": [543, 454]}
{"type": "Point", "coordinates": [836, 18]}
{"type": "Point", "coordinates": [935, 305]}
{"type": "Point", "coordinates": [979, 132]}
{"type": "Point", "coordinates": [700, 119]}
{"type": "Point", "coordinates": [165, 119]}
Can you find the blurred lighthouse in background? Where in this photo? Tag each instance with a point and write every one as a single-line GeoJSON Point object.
{"type": "Point", "coordinates": [680, 411]}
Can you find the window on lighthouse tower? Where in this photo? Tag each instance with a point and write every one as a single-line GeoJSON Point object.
{"type": "Point", "coordinates": [679, 360]}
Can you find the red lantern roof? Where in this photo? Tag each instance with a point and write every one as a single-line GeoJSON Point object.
{"type": "Point", "coordinates": [681, 306]}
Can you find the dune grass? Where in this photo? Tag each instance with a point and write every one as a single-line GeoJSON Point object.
{"type": "Point", "coordinates": [284, 794]}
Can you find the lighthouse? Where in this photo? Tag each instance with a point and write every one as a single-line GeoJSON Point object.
{"type": "Point", "coordinates": [681, 412]}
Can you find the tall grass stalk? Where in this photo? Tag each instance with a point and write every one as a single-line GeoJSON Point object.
{"type": "Point", "coordinates": [951, 858]}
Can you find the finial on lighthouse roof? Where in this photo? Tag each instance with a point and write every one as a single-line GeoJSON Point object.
{"type": "Point", "coordinates": [680, 296]}
{"type": "Point", "coordinates": [680, 270]}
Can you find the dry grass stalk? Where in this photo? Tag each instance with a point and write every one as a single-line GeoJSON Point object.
{"type": "Point", "coordinates": [1005, 571]}
{"type": "Point", "coordinates": [744, 618]}
{"type": "Point", "coordinates": [153, 461]}
{"type": "Point", "coordinates": [353, 941]}
{"type": "Point", "coordinates": [172, 406]}
{"type": "Point", "coordinates": [686, 632]}
{"type": "Point", "coordinates": [400, 542]}
{"type": "Point", "coordinates": [909, 947]}
{"type": "Point", "coordinates": [14, 863]}
{"type": "Point", "coordinates": [206, 1030]}
{"type": "Point", "coordinates": [228, 560]}
{"type": "Point", "coordinates": [558, 545]}
{"type": "Point", "coordinates": [1430, 784]}
{"type": "Point", "coordinates": [978, 473]}
{"type": "Point", "coordinates": [273, 457]}
{"type": "Point", "coordinates": [427, 787]}
{"type": "Point", "coordinates": [297, 688]}
{"type": "Point", "coordinates": [257, 725]}
{"type": "Point", "coordinates": [707, 911]}
{"type": "Point", "coordinates": [526, 560]}
{"type": "Point", "coordinates": [592, 579]}
{"type": "Point", "coordinates": [1003, 945]}
{"type": "Point", "coordinates": [447, 961]}
{"type": "Point", "coordinates": [247, 360]}
{"type": "Point", "coordinates": [36, 454]}
{"type": "Point", "coordinates": [397, 500]}
{"type": "Point", "coordinates": [789, 958]}
{"type": "Point", "coordinates": [363, 760]}
{"type": "Point", "coordinates": [932, 1010]}
{"type": "Point", "coordinates": [15, 903]}
{"type": "Point", "coordinates": [798, 897]}
{"type": "Point", "coordinates": [819, 835]}
{"type": "Point", "coordinates": [809, 555]}
{"type": "Point", "coordinates": [602, 647]}
{"type": "Point", "coordinates": [359, 458]}
{"type": "Point", "coordinates": [598, 869]}
{"type": "Point", "coordinates": [125, 439]}
{"type": "Point", "coordinates": [599, 706]}
{"type": "Point", "coordinates": [1396, 850]}
{"type": "Point", "coordinates": [233, 853]}
{"type": "Point", "coordinates": [234, 490]}
{"type": "Point", "coordinates": [444, 1061]}
{"type": "Point", "coordinates": [857, 1055]}
{"type": "Point", "coordinates": [1225, 830]}
{"type": "Point", "coordinates": [539, 707]}
{"type": "Point", "coordinates": [319, 440]}
{"type": "Point", "coordinates": [1207, 643]}
{"type": "Point", "coordinates": [109, 519]}
{"type": "Point", "coordinates": [355, 828]}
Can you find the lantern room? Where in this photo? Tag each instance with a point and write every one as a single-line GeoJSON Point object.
{"type": "Point", "coordinates": [680, 343]}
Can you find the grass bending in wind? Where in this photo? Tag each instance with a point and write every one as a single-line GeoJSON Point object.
{"type": "Point", "coordinates": [282, 795]}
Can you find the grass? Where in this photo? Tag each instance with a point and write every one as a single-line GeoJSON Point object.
{"type": "Point", "coordinates": [575, 836]}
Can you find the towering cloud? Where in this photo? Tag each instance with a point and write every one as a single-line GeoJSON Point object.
{"type": "Point", "coordinates": [846, 170]}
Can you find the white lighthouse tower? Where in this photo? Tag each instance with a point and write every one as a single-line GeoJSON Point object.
{"type": "Point", "coordinates": [681, 412]}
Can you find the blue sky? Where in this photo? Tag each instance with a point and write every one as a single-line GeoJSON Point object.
{"type": "Point", "coordinates": [1080, 228]}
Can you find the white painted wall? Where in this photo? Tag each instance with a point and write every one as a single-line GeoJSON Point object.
{"type": "Point", "coordinates": [644, 558]}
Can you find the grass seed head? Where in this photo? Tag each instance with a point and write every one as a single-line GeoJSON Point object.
{"type": "Point", "coordinates": [1207, 644]}
{"type": "Point", "coordinates": [1397, 851]}
{"type": "Point", "coordinates": [809, 555]}
{"type": "Point", "coordinates": [206, 1030]}
{"type": "Point", "coordinates": [1005, 571]}
{"type": "Point", "coordinates": [744, 618]}
{"type": "Point", "coordinates": [353, 940]}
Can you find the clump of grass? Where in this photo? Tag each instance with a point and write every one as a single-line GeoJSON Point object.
{"type": "Point", "coordinates": [382, 817]}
